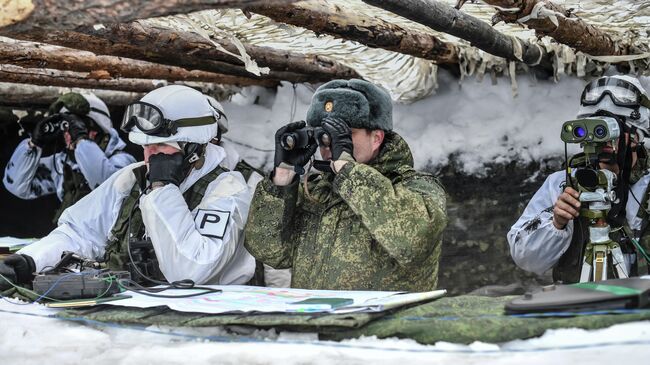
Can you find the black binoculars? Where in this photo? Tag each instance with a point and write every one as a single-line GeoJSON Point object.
{"type": "Point", "coordinates": [54, 124]}
{"type": "Point", "coordinates": [303, 137]}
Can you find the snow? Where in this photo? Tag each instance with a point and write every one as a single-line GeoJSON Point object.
{"type": "Point", "coordinates": [475, 121]}
{"type": "Point", "coordinates": [29, 336]}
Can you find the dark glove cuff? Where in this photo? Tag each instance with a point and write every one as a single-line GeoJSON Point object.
{"type": "Point", "coordinates": [26, 276]}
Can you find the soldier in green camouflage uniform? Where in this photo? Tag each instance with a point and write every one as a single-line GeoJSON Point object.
{"type": "Point", "coordinates": [369, 223]}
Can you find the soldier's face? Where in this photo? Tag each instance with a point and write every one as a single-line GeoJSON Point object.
{"type": "Point", "coordinates": [366, 144]}
{"type": "Point", "coordinates": [153, 149]}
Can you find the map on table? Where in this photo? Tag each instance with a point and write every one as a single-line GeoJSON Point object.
{"type": "Point", "coordinates": [248, 299]}
{"type": "Point", "coordinates": [10, 245]}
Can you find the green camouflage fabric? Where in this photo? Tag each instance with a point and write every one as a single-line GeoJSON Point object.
{"type": "Point", "coordinates": [462, 319]}
{"type": "Point", "coordinates": [371, 227]}
{"type": "Point", "coordinates": [74, 102]}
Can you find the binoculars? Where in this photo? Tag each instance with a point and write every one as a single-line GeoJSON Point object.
{"type": "Point", "coordinates": [301, 138]}
{"type": "Point", "coordinates": [54, 124]}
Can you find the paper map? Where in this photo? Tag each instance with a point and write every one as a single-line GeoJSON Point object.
{"type": "Point", "coordinates": [248, 299]}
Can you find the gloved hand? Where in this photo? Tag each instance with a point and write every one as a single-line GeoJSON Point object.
{"type": "Point", "coordinates": [296, 157]}
{"type": "Point", "coordinates": [166, 168]}
{"type": "Point", "coordinates": [47, 130]}
{"type": "Point", "coordinates": [341, 137]}
{"type": "Point", "coordinates": [77, 128]}
{"type": "Point", "coordinates": [18, 269]}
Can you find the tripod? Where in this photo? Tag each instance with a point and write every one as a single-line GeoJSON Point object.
{"type": "Point", "coordinates": [602, 256]}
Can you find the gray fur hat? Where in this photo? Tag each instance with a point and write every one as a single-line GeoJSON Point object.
{"type": "Point", "coordinates": [360, 103]}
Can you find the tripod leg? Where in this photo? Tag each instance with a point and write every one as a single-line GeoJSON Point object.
{"type": "Point", "coordinates": [585, 273]}
{"type": "Point", "coordinates": [600, 263]}
{"type": "Point", "coordinates": [619, 263]}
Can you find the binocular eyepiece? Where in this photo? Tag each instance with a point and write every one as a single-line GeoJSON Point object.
{"type": "Point", "coordinates": [54, 124]}
{"type": "Point", "coordinates": [303, 137]}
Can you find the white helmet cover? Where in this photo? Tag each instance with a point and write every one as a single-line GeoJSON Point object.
{"type": "Point", "coordinates": [606, 104]}
{"type": "Point", "coordinates": [98, 111]}
{"type": "Point", "coordinates": [180, 102]}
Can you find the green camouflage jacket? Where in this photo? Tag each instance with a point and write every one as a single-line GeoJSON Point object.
{"type": "Point", "coordinates": [371, 227]}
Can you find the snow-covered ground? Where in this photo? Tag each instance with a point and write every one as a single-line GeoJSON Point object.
{"type": "Point", "coordinates": [29, 336]}
{"type": "Point", "coordinates": [477, 121]}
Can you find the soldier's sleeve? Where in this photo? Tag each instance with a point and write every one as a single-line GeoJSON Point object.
{"type": "Point", "coordinates": [406, 219]}
{"type": "Point", "coordinates": [269, 223]}
{"type": "Point", "coordinates": [95, 165]}
{"type": "Point", "coordinates": [535, 244]}
{"type": "Point", "coordinates": [27, 175]}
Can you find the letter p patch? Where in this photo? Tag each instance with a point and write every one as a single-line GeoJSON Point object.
{"type": "Point", "coordinates": [211, 223]}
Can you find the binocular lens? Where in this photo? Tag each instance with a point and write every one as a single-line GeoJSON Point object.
{"type": "Point", "coordinates": [325, 140]}
{"type": "Point", "coordinates": [579, 132]}
{"type": "Point", "coordinates": [289, 142]}
{"type": "Point", "coordinates": [600, 131]}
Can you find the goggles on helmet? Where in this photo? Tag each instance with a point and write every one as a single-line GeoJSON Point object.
{"type": "Point", "coordinates": [622, 93]}
{"type": "Point", "coordinates": [150, 120]}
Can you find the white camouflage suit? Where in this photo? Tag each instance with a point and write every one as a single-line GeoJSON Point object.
{"type": "Point", "coordinates": [184, 251]}
{"type": "Point", "coordinates": [536, 245]}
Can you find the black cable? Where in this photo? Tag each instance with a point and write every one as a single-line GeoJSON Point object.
{"type": "Point", "coordinates": [189, 284]}
{"type": "Point", "coordinates": [180, 284]}
{"type": "Point", "coordinates": [568, 166]}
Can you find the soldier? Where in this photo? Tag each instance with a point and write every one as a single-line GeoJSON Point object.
{"type": "Point", "coordinates": [370, 223]}
{"type": "Point", "coordinates": [93, 152]}
{"type": "Point", "coordinates": [545, 236]}
{"type": "Point", "coordinates": [178, 215]}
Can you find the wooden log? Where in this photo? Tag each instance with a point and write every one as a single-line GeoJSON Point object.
{"type": "Point", "coordinates": [37, 55]}
{"type": "Point", "coordinates": [174, 41]}
{"type": "Point", "coordinates": [184, 49]}
{"type": "Point", "coordinates": [445, 18]}
{"type": "Point", "coordinates": [26, 15]}
{"type": "Point", "coordinates": [322, 17]}
{"type": "Point", "coordinates": [41, 76]}
{"type": "Point", "coordinates": [12, 94]}
{"type": "Point", "coordinates": [572, 31]}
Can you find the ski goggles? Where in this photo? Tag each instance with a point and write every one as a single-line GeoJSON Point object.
{"type": "Point", "coordinates": [151, 121]}
{"type": "Point", "coordinates": [622, 93]}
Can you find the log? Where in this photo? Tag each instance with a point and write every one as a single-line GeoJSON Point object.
{"type": "Point", "coordinates": [445, 18]}
{"type": "Point", "coordinates": [325, 18]}
{"type": "Point", "coordinates": [41, 76]}
{"type": "Point", "coordinates": [184, 49]}
{"type": "Point", "coordinates": [572, 31]}
{"type": "Point", "coordinates": [37, 55]}
{"type": "Point", "coordinates": [12, 94]}
{"type": "Point", "coordinates": [141, 35]}
{"type": "Point", "coordinates": [27, 15]}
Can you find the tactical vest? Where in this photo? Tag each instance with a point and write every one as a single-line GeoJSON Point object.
{"type": "Point", "coordinates": [247, 169]}
{"type": "Point", "coordinates": [144, 256]}
{"type": "Point", "coordinates": [568, 268]}
{"type": "Point", "coordinates": [75, 185]}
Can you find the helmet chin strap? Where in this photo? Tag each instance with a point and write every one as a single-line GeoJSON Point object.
{"type": "Point", "coordinates": [192, 152]}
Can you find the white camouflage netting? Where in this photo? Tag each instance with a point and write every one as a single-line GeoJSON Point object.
{"type": "Point", "coordinates": [414, 78]}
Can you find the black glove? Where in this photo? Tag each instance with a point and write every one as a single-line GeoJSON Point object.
{"type": "Point", "coordinates": [296, 157]}
{"type": "Point", "coordinates": [18, 269]}
{"type": "Point", "coordinates": [77, 128]}
{"type": "Point", "coordinates": [340, 135]}
{"type": "Point", "coordinates": [166, 168]}
{"type": "Point", "coordinates": [47, 130]}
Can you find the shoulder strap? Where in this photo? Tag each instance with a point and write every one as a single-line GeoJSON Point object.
{"type": "Point", "coordinates": [247, 169]}
{"type": "Point", "coordinates": [195, 194]}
